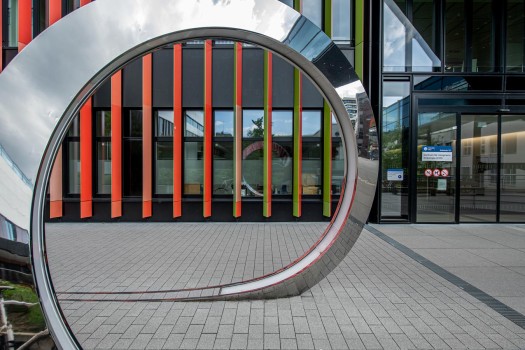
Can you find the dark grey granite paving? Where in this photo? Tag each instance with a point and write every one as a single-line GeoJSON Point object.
{"type": "Point", "coordinates": [377, 298]}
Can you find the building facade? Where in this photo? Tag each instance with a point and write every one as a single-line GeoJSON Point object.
{"type": "Point", "coordinates": [157, 141]}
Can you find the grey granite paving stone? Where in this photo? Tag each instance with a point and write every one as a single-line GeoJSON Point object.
{"type": "Point", "coordinates": [378, 297]}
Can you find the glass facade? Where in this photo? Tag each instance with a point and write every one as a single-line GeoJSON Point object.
{"type": "Point", "coordinates": [193, 152]}
{"type": "Point", "coordinates": [444, 143]}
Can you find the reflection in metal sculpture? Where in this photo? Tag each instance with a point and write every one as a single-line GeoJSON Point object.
{"type": "Point", "coordinates": [42, 91]}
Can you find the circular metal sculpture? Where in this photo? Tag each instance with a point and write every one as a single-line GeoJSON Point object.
{"type": "Point", "coordinates": [45, 85]}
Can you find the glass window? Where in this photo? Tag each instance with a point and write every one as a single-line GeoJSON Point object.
{"type": "Point", "coordinates": [73, 161]}
{"type": "Point", "coordinates": [74, 128]}
{"type": "Point", "coordinates": [482, 37]}
{"type": "Point", "coordinates": [71, 5]}
{"type": "Point", "coordinates": [512, 195]}
{"type": "Point", "coordinates": [103, 123]}
{"type": "Point", "coordinates": [341, 18]}
{"type": "Point", "coordinates": [515, 34]}
{"type": "Point", "coordinates": [455, 36]}
{"type": "Point", "coordinates": [164, 123]}
{"type": "Point", "coordinates": [282, 168]}
{"type": "Point", "coordinates": [311, 123]}
{"type": "Point", "coordinates": [133, 124]}
{"type": "Point", "coordinates": [194, 124]}
{"type": "Point", "coordinates": [282, 123]}
{"type": "Point", "coordinates": [312, 168]}
{"type": "Point", "coordinates": [253, 123]}
{"type": "Point", "coordinates": [132, 170]}
{"type": "Point", "coordinates": [10, 230]}
{"type": "Point", "coordinates": [287, 2]}
{"type": "Point", "coordinates": [164, 167]}
{"type": "Point", "coordinates": [338, 164]}
{"type": "Point", "coordinates": [313, 10]}
{"type": "Point", "coordinates": [12, 23]}
{"type": "Point", "coordinates": [223, 167]}
{"type": "Point", "coordinates": [193, 167]}
{"type": "Point", "coordinates": [223, 123]}
{"type": "Point", "coordinates": [395, 123]}
{"type": "Point", "coordinates": [252, 169]}
{"type": "Point", "coordinates": [104, 167]}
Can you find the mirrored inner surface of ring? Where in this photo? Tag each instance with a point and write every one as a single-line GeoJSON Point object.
{"type": "Point", "coordinates": [204, 163]}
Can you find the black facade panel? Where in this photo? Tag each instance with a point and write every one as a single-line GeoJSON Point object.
{"type": "Point", "coordinates": [132, 84]}
{"type": "Point", "coordinates": [222, 79]}
{"type": "Point", "coordinates": [282, 78]}
{"type": "Point", "coordinates": [193, 78]}
{"type": "Point", "coordinates": [163, 78]}
{"type": "Point", "coordinates": [252, 78]}
{"type": "Point", "coordinates": [102, 97]}
{"type": "Point", "coordinates": [311, 96]}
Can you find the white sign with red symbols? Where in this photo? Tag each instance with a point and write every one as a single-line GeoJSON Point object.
{"type": "Point", "coordinates": [437, 172]}
{"type": "Point", "coordinates": [428, 172]}
{"type": "Point", "coordinates": [444, 172]}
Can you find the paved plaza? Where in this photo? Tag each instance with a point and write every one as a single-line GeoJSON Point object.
{"type": "Point", "coordinates": [379, 297]}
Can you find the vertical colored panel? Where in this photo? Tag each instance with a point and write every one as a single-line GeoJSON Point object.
{"type": "Point", "coordinates": [207, 128]}
{"type": "Point", "coordinates": [24, 23]}
{"type": "Point", "coordinates": [177, 130]}
{"type": "Point", "coordinates": [55, 183]}
{"type": "Point", "coordinates": [267, 167]}
{"type": "Point", "coordinates": [297, 134]}
{"type": "Point", "coordinates": [327, 160]}
{"type": "Point", "coordinates": [116, 145]}
{"type": "Point", "coordinates": [86, 160]}
{"type": "Point", "coordinates": [55, 187]}
{"type": "Point", "coordinates": [147, 135]}
{"type": "Point", "coordinates": [359, 37]}
{"type": "Point", "coordinates": [84, 2]}
{"type": "Point", "coordinates": [237, 133]}
{"type": "Point", "coordinates": [55, 11]}
{"type": "Point", "coordinates": [297, 144]}
{"type": "Point", "coordinates": [327, 129]}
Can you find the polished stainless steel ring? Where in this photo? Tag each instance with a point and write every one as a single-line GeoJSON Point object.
{"type": "Point", "coordinates": [45, 85]}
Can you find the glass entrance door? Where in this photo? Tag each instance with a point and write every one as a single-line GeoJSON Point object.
{"type": "Point", "coordinates": [478, 185]}
{"type": "Point", "coordinates": [436, 167]}
{"type": "Point", "coordinates": [469, 168]}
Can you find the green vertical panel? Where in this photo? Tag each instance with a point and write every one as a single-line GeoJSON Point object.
{"type": "Point", "coordinates": [327, 160]}
{"type": "Point", "coordinates": [359, 37]}
{"type": "Point", "coordinates": [328, 17]}
{"type": "Point", "coordinates": [297, 143]}
{"type": "Point", "coordinates": [327, 129]}
{"type": "Point", "coordinates": [267, 138]}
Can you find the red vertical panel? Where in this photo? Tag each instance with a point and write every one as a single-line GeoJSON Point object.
{"type": "Point", "coordinates": [237, 200]}
{"type": "Point", "coordinates": [147, 135]}
{"type": "Point", "coordinates": [177, 130]}
{"type": "Point", "coordinates": [116, 145]}
{"type": "Point", "coordinates": [86, 160]}
{"type": "Point", "coordinates": [207, 128]}
{"type": "Point", "coordinates": [84, 2]}
{"type": "Point", "coordinates": [55, 11]}
{"type": "Point", "coordinates": [55, 187]}
{"type": "Point", "coordinates": [24, 23]}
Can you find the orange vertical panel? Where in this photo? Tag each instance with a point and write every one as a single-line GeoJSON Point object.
{"type": "Point", "coordinates": [55, 11]}
{"type": "Point", "coordinates": [147, 135]}
{"type": "Point", "coordinates": [207, 128]}
{"type": "Point", "coordinates": [55, 187]}
{"type": "Point", "coordinates": [177, 130]}
{"type": "Point", "coordinates": [116, 145]}
{"type": "Point", "coordinates": [237, 200]}
{"type": "Point", "coordinates": [86, 160]}
{"type": "Point", "coordinates": [24, 23]}
{"type": "Point", "coordinates": [55, 183]}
